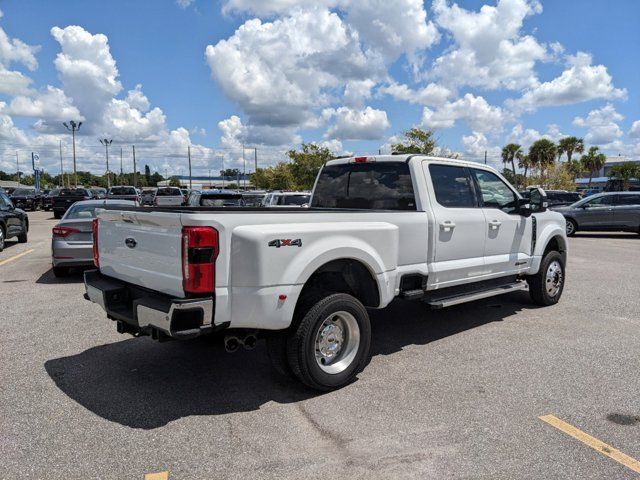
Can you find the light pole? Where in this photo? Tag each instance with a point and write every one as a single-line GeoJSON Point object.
{"type": "Point", "coordinates": [106, 142]}
{"type": "Point", "coordinates": [73, 127]}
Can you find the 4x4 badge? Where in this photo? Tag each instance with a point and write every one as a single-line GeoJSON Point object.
{"type": "Point", "coordinates": [286, 242]}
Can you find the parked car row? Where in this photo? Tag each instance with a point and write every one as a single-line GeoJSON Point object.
{"type": "Point", "coordinates": [14, 221]}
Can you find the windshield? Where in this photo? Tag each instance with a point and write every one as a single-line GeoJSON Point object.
{"type": "Point", "coordinates": [23, 192]}
{"type": "Point", "coordinates": [384, 186]}
{"type": "Point", "coordinates": [78, 192]}
{"type": "Point", "coordinates": [122, 191]}
{"type": "Point", "coordinates": [293, 199]}
{"type": "Point", "coordinates": [169, 192]}
{"type": "Point", "coordinates": [221, 200]}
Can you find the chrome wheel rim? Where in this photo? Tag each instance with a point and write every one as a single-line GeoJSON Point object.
{"type": "Point", "coordinates": [337, 342]}
{"type": "Point", "coordinates": [569, 227]}
{"type": "Point", "coordinates": [553, 281]}
{"type": "Point", "coordinates": [1, 237]}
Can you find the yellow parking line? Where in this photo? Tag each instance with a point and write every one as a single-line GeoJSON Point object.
{"type": "Point", "coordinates": [157, 476]}
{"type": "Point", "coordinates": [15, 257]}
{"type": "Point", "coordinates": [592, 442]}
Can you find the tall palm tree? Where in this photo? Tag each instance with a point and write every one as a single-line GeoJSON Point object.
{"type": "Point", "coordinates": [509, 153]}
{"type": "Point", "coordinates": [542, 154]}
{"type": "Point", "coordinates": [524, 162]}
{"type": "Point", "coordinates": [593, 162]}
{"type": "Point", "coordinates": [570, 145]}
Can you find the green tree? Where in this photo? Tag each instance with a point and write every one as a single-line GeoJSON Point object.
{"type": "Point", "coordinates": [542, 154]}
{"type": "Point", "coordinates": [574, 168]}
{"type": "Point", "coordinates": [230, 173]}
{"type": "Point", "coordinates": [155, 178]}
{"type": "Point", "coordinates": [509, 154]}
{"type": "Point", "coordinates": [592, 162]}
{"type": "Point", "coordinates": [524, 162]}
{"type": "Point", "coordinates": [625, 171]}
{"type": "Point", "coordinates": [174, 181]}
{"type": "Point", "coordinates": [305, 165]}
{"type": "Point", "coordinates": [416, 140]}
{"type": "Point", "coordinates": [147, 174]}
{"type": "Point", "coordinates": [569, 146]}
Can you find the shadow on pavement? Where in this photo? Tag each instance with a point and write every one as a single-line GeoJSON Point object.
{"type": "Point", "coordinates": [143, 384]}
{"type": "Point", "coordinates": [75, 276]}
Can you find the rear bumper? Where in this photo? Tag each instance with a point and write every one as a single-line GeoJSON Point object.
{"type": "Point", "coordinates": [71, 254]}
{"type": "Point", "coordinates": [142, 312]}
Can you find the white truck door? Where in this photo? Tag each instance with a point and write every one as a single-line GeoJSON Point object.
{"type": "Point", "coordinates": [459, 230]}
{"type": "Point", "coordinates": [508, 235]}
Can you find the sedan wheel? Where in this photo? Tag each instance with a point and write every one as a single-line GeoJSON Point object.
{"type": "Point", "coordinates": [571, 228]}
{"type": "Point", "coordinates": [1, 238]}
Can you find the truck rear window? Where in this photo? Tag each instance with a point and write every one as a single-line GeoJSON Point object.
{"type": "Point", "coordinates": [371, 186]}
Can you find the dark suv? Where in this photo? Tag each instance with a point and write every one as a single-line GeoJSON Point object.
{"type": "Point", "coordinates": [13, 221]}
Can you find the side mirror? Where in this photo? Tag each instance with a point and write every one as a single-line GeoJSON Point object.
{"type": "Point", "coordinates": [538, 200]}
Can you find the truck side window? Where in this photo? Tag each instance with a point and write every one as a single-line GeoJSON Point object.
{"type": "Point", "coordinates": [452, 186]}
{"type": "Point", "coordinates": [495, 193]}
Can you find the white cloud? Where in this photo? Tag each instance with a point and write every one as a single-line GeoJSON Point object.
{"type": "Point", "coordinates": [580, 82]}
{"type": "Point", "coordinates": [357, 92]}
{"type": "Point", "coordinates": [489, 50]}
{"type": "Point", "coordinates": [634, 131]}
{"type": "Point", "coordinates": [526, 136]}
{"type": "Point", "coordinates": [51, 104]}
{"type": "Point", "coordinates": [475, 146]}
{"type": "Point", "coordinates": [350, 124]}
{"type": "Point", "coordinates": [13, 50]}
{"type": "Point", "coordinates": [138, 100]}
{"type": "Point", "coordinates": [602, 125]}
{"type": "Point", "coordinates": [13, 82]}
{"type": "Point", "coordinates": [278, 72]}
{"type": "Point", "coordinates": [389, 28]}
{"type": "Point", "coordinates": [431, 95]}
{"type": "Point", "coordinates": [475, 111]}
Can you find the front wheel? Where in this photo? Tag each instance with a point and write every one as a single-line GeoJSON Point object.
{"type": "Point", "coordinates": [330, 345]}
{"type": "Point", "coordinates": [546, 286]}
{"type": "Point", "coordinates": [571, 228]}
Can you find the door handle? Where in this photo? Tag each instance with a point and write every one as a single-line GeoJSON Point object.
{"type": "Point", "coordinates": [447, 225]}
{"type": "Point", "coordinates": [494, 225]}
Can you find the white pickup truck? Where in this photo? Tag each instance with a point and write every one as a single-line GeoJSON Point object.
{"type": "Point", "coordinates": [437, 230]}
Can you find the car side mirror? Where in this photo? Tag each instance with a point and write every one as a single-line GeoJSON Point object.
{"type": "Point", "coordinates": [538, 202]}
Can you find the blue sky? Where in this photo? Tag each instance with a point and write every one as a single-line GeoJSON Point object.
{"type": "Point", "coordinates": [285, 79]}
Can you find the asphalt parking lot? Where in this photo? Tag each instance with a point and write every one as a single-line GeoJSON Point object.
{"type": "Point", "coordinates": [456, 393]}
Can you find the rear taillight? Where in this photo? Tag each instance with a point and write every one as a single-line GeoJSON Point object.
{"type": "Point", "coordinates": [199, 252]}
{"type": "Point", "coordinates": [96, 253]}
{"type": "Point", "coordinates": [62, 232]}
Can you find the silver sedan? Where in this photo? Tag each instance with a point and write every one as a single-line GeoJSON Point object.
{"type": "Point", "coordinates": [72, 237]}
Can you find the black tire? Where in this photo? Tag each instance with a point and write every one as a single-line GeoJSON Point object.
{"type": "Point", "coordinates": [57, 215]}
{"type": "Point", "coordinates": [22, 238]}
{"type": "Point", "coordinates": [351, 359]}
{"type": "Point", "coordinates": [60, 272]}
{"type": "Point", "coordinates": [542, 290]}
{"type": "Point", "coordinates": [3, 236]}
{"type": "Point", "coordinates": [571, 227]}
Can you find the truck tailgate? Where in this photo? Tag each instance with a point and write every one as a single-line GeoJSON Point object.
{"type": "Point", "coordinates": [143, 248]}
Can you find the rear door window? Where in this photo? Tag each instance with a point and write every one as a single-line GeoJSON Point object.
{"type": "Point", "coordinates": [628, 200]}
{"type": "Point", "coordinates": [370, 186]}
{"type": "Point", "coordinates": [452, 186]}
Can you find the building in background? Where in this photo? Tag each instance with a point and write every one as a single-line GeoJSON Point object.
{"type": "Point", "coordinates": [600, 179]}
